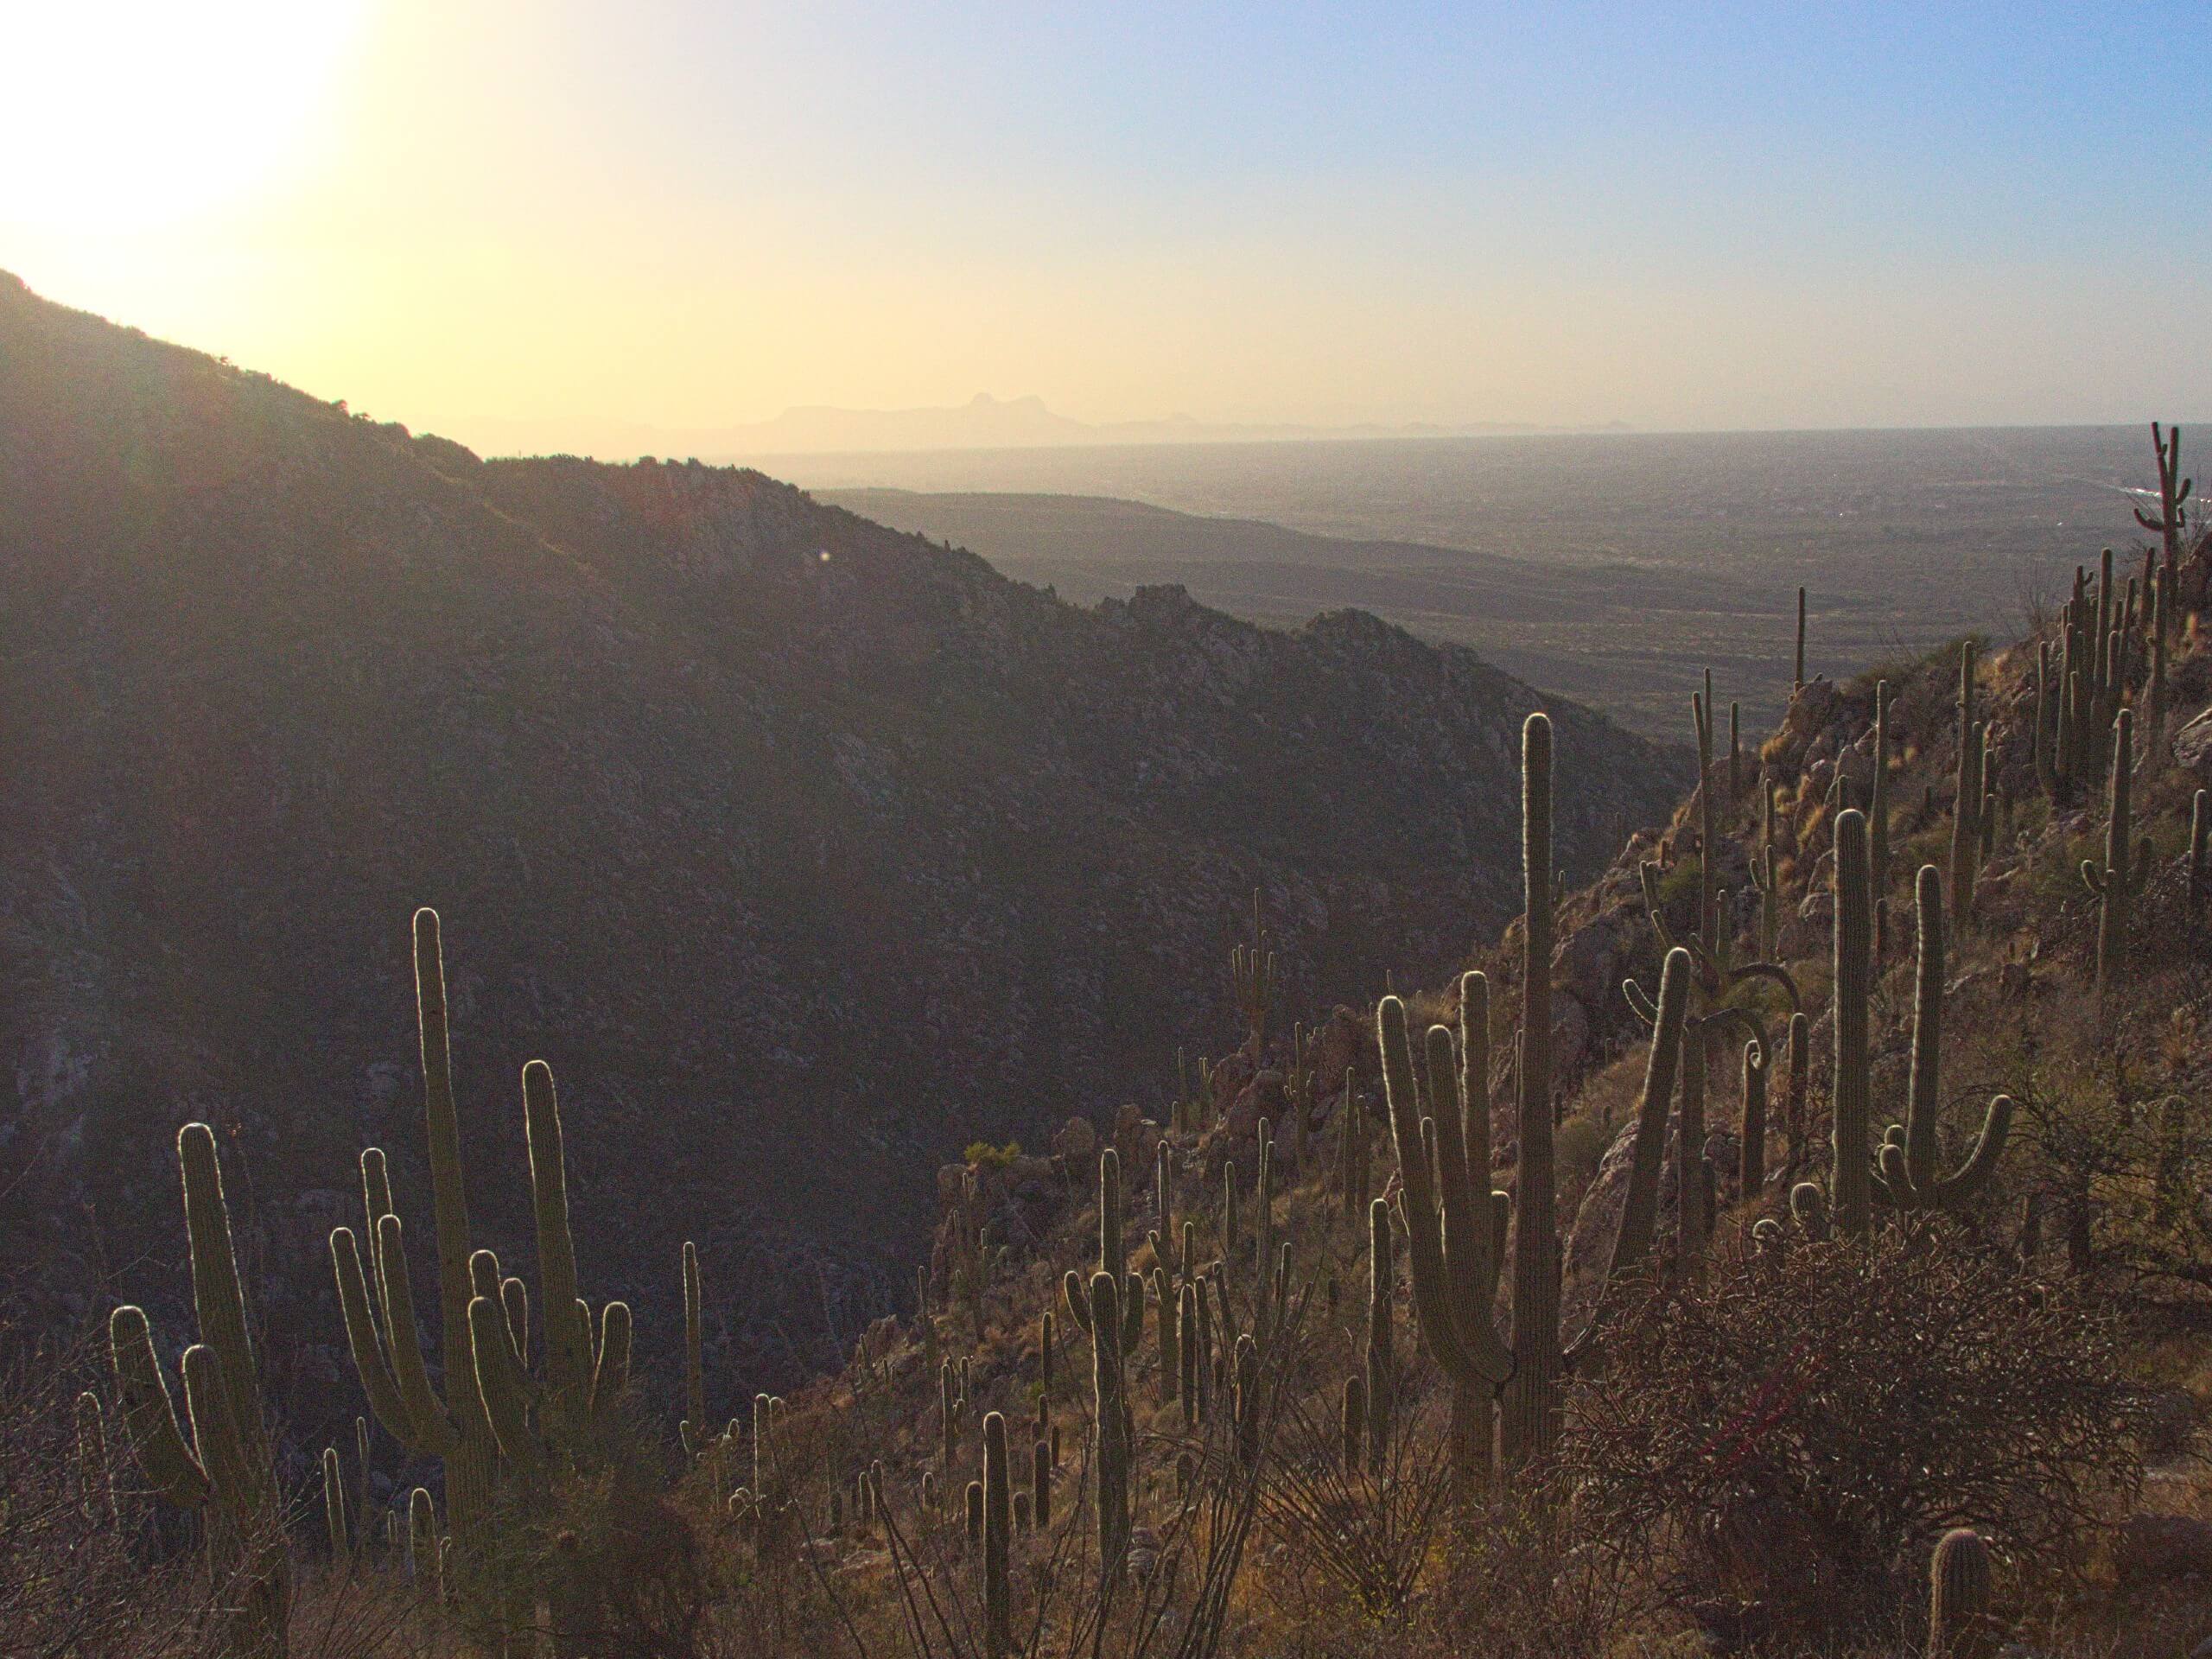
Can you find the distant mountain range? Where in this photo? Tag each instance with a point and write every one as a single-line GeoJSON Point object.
{"type": "Point", "coordinates": [982, 422]}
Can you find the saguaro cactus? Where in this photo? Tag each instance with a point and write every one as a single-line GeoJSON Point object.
{"type": "Point", "coordinates": [2200, 849]}
{"type": "Point", "coordinates": [1908, 1173]}
{"type": "Point", "coordinates": [380, 1328]}
{"type": "Point", "coordinates": [1797, 681]}
{"type": "Point", "coordinates": [1966, 809]}
{"type": "Point", "coordinates": [1850, 1178]}
{"type": "Point", "coordinates": [1959, 1622]}
{"type": "Point", "coordinates": [1382, 1361]}
{"type": "Point", "coordinates": [226, 1470]}
{"type": "Point", "coordinates": [1751, 1152]}
{"type": "Point", "coordinates": [695, 1369]}
{"type": "Point", "coordinates": [1103, 1320]}
{"type": "Point", "coordinates": [1878, 805]}
{"type": "Point", "coordinates": [998, 1603]}
{"type": "Point", "coordinates": [2173, 494]}
{"type": "Point", "coordinates": [1252, 976]}
{"type": "Point", "coordinates": [1532, 1400]}
{"type": "Point", "coordinates": [2125, 863]}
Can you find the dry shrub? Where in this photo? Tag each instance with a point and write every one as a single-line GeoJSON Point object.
{"type": "Point", "coordinates": [1779, 1444]}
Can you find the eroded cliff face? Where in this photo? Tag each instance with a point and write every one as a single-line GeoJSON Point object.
{"type": "Point", "coordinates": [804, 851]}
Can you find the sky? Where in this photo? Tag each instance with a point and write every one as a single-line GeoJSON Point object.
{"type": "Point", "coordinates": [548, 225]}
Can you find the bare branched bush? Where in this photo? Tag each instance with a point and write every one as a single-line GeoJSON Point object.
{"type": "Point", "coordinates": [1780, 1443]}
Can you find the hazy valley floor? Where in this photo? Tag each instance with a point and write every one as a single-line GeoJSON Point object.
{"type": "Point", "coordinates": [1611, 567]}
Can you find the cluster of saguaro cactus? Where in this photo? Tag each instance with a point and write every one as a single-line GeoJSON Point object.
{"type": "Point", "coordinates": [494, 1410]}
{"type": "Point", "coordinates": [2127, 861]}
{"type": "Point", "coordinates": [1453, 1221]}
{"type": "Point", "coordinates": [1906, 1178]}
{"type": "Point", "coordinates": [2079, 687]}
{"type": "Point", "coordinates": [1109, 1308]}
{"type": "Point", "coordinates": [225, 1470]}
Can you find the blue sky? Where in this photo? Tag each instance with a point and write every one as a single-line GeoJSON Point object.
{"type": "Point", "coordinates": [1677, 216]}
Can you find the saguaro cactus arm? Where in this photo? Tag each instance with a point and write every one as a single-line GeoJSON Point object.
{"type": "Point", "coordinates": [149, 1416]}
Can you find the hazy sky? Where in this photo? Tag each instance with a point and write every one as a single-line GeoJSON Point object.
{"type": "Point", "coordinates": [693, 212]}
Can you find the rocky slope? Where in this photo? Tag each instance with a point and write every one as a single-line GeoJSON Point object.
{"type": "Point", "coordinates": [800, 848]}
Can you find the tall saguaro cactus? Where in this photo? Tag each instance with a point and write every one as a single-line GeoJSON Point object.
{"type": "Point", "coordinates": [1103, 1322]}
{"type": "Point", "coordinates": [1532, 1402]}
{"type": "Point", "coordinates": [380, 1324]}
{"type": "Point", "coordinates": [1966, 809]}
{"type": "Point", "coordinates": [1851, 1185]}
{"type": "Point", "coordinates": [1453, 1224]}
{"type": "Point", "coordinates": [2125, 865]}
{"type": "Point", "coordinates": [1908, 1173]}
{"type": "Point", "coordinates": [998, 1522]}
{"type": "Point", "coordinates": [226, 1470]}
{"type": "Point", "coordinates": [1381, 1362]}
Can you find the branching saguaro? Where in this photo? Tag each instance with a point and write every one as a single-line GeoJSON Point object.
{"type": "Point", "coordinates": [225, 1471]}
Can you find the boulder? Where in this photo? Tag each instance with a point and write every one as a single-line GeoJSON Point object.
{"type": "Point", "coordinates": [2151, 1548]}
{"type": "Point", "coordinates": [1262, 1097]}
{"type": "Point", "coordinates": [2193, 747]}
{"type": "Point", "coordinates": [1590, 962]}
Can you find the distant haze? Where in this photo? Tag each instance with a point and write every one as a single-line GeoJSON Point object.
{"type": "Point", "coordinates": [558, 225]}
{"type": "Point", "coordinates": [1610, 568]}
{"type": "Point", "coordinates": [982, 422]}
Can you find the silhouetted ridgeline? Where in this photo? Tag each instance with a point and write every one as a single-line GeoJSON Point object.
{"type": "Point", "coordinates": [803, 850]}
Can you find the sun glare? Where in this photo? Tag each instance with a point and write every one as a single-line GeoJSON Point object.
{"type": "Point", "coordinates": [136, 113]}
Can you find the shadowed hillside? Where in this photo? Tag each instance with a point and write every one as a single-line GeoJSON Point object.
{"type": "Point", "coordinates": [801, 848]}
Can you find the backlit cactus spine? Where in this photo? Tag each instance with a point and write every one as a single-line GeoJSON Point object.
{"type": "Point", "coordinates": [226, 1471]}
